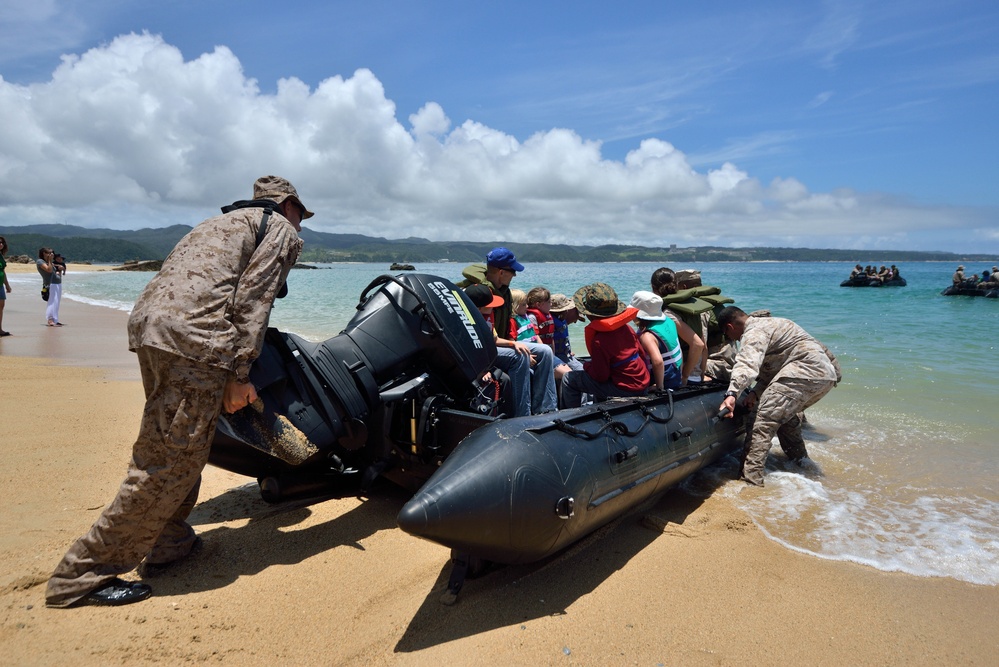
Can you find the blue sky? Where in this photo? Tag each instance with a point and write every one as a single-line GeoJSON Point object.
{"type": "Point", "coordinates": [817, 124]}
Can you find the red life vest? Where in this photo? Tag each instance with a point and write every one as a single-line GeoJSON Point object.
{"type": "Point", "coordinates": [609, 324]}
{"type": "Point", "coordinates": [546, 326]}
{"type": "Point", "coordinates": [615, 321]}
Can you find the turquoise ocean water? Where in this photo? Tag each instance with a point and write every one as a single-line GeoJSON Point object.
{"type": "Point", "coordinates": [906, 465]}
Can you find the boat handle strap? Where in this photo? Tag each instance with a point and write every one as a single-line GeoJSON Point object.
{"type": "Point", "coordinates": [618, 427]}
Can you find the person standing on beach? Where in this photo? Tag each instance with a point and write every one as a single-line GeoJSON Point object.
{"type": "Point", "coordinates": [4, 284]}
{"type": "Point", "coordinates": [52, 281]}
{"type": "Point", "coordinates": [792, 371]}
{"type": "Point", "coordinates": [59, 267]}
{"type": "Point", "coordinates": [196, 328]}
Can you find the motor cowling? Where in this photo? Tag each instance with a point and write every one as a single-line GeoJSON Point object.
{"type": "Point", "coordinates": [413, 334]}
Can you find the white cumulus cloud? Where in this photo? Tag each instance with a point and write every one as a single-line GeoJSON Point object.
{"type": "Point", "coordinates": [129, 135]}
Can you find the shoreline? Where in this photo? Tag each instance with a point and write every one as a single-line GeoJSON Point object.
{"type": "Point", "coordinates": [336, 582]}
{"type": "Point", "coordinates": [71, 267]}
{"type": "Point", "coordinates": [93, 336]}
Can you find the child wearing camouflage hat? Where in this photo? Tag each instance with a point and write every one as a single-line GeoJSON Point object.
{"type": "Point", "coordinates": [617, 365]}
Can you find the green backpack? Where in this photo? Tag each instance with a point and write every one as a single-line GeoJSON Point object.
{"type": "Point", "coordinates": [688, 304]}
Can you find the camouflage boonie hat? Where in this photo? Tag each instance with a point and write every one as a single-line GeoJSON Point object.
{"type": "Point", "coordinates": [561, 303]}
{"type": "Point", "coordinates": [687, 278]}
{"type": "Point", "coordinates": [598, 300]}
{"type": "Point", "coordinates": [278, 189]}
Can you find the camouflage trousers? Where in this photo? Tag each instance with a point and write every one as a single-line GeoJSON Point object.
{"type": "Point", "coordinates": [148, 517]}
{"type": "Point", "coordinates": [779, 413]}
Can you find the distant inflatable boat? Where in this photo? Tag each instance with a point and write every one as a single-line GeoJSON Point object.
{"type": "Point", "coordinates": [867, 281]}
{"type": "Point", "coordinates": [968, 288]}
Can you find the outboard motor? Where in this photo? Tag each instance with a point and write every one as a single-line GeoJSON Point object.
{"type": "Point", "coordinates": [368, 400]}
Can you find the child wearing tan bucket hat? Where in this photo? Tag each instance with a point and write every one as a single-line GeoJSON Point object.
{"type": "Point", "coordinates": [564, 313]}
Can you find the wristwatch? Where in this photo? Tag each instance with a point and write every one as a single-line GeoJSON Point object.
{"type": "Point", "coordinates": [731, 393]}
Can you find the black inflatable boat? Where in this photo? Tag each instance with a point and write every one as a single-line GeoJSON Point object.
{"type": "Point", "coordinates": [867, 281]}
{"type": "Point", "coordinates": [972, 288]}
{"type": "Point", "coordinates": [400, 394]}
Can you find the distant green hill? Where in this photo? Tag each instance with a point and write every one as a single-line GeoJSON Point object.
{"type": "Point", "coordinates": [95, 245]}
{"type": "Point", "coordinates": [107, 245]}
{"type": "Point", "coordinates": [76, 248]}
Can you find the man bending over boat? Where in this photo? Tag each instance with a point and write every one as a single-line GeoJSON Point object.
{"type": "Point", "coordinates": [792, 371]}
{"type": "Point", "coordinates": [197, 327]}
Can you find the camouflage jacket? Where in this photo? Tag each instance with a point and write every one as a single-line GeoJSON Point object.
{"type": "Point", "coordinates": [773, 348]}
{"type": "Point", "coordinates": [212, 299]}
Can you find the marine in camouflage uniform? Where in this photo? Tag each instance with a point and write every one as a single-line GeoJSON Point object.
{"type": "Point", "coordinates": [792, 371]}
{"type": "Point", "coordinates": [720, 365]}
{"type": "Point", "coordinates": [721, 358]}
{"type": "Point", "coordinates": [196, 329]}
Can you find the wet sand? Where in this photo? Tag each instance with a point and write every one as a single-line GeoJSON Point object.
{"type": "Point", "coordinates": [688, 581]}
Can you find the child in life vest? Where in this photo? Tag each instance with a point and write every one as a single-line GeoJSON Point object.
{"type": "Point", "coordinates": [617, 365]}
{"type": "Point", "coordinates": [539, 303]}
{"type": "Point", "coordinates": [564, 313]}
{"type": "Point", "coordinates": [520, 322]}
{"type": "Point", "coordinates": [658, 336]}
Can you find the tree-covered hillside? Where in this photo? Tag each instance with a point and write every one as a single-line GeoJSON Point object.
{"type": "Point", "coordinates": [105, 245]}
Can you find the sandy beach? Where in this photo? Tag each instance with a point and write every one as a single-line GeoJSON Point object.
{"type": "Point", "coordinates": [688, 581]}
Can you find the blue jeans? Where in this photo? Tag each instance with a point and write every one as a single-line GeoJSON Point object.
{"type": "Point", "coordinates": [518, 367]}
{"type": "Point", "coordinates": [570, 361]}
{"type": "Point", "coordinates": [533, 389]}
{"type": "Point", "coordinates": [543, 395]}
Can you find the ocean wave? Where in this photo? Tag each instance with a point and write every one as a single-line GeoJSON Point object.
{"type": "Point", "coordinates": [105, 303]}
{"type": "Point", "coordinates": [930, 536]}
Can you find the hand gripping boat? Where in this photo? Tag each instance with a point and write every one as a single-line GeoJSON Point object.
{"type": "Point", "coordinates": [399, 394]}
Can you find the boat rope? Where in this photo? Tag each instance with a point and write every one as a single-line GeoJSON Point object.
{"type": "Point", "coordinates": [647, 411]}
{"type": "Point", "coordinates": [609, 423]}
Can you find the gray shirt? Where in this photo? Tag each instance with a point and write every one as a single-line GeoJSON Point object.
{"type": "Point", "coordinates": [53, 278]}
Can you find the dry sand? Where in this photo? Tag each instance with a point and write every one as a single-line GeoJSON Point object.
{"type": "Point", "coordinates": [336, 583]}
